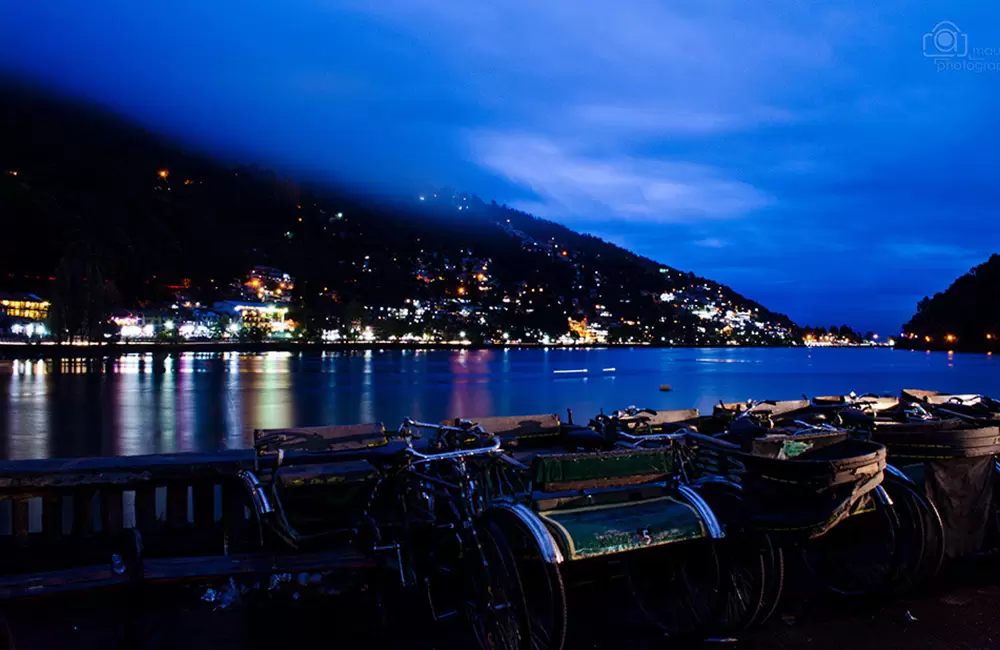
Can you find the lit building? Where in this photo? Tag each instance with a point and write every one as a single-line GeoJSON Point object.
{"type": "Point", "coordinates": [586, 333]}
{"type": "Point", "coordinates": [267, 284]}
{"type": "Point", "coordinates": [252, 314]}
{"type": "Point", "coordinates": [26, 306]}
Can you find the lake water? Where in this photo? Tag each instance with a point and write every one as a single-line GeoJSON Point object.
{"type": "Point", "coordinates": [139, 404]}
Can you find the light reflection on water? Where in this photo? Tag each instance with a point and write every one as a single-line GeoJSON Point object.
{"type": "Point", "coordinates": [149, 403]}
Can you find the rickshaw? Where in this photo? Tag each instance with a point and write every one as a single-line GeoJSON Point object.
{"type": "Point", "coordinates": [808, 486]}
{"type": "Point", "coordinates": [408, 517]}
{"type": "Point", "coordinates": [621, 516]}
{"type": "Point", "coordinates": [945, 448]}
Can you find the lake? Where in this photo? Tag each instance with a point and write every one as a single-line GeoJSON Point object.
{"type": "Point", "coordinates": [139, 404]}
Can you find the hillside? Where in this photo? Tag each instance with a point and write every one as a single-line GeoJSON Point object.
{"type": "Point", "coordinates": [99, 213]}
{"type": "Point", "coordinates": [966, 316]}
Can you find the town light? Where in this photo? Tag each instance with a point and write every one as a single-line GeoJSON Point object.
{"type": "Point", "coordinates": [163, 173]}
{"type": "Point", "coordinates": [950, 338]}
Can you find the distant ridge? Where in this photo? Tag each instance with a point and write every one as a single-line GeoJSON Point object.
{"type": "Point", "coordinates": [966, 316]}
{"type": "Point", "coordinates": [81, 195]}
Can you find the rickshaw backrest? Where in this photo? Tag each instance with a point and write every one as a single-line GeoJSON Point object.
{"type": "Point", "coordinates": [517, 427]}
{"type": "Point", "coordinates": [779, 407]}
{"type": "Point", "coordinates": [671, 417]}
{"type": "Point", "coordinates": [346, 438]}
{"type": "Point", "coordinates": [786, 446]}
{"type": "Point", "coordinates": [932, 397]}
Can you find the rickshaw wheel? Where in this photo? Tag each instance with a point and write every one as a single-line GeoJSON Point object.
{"type": "Point", "coordinates": [774, 581]}
{"type": "Point", "coordinates": [749, 590]}
{"type": "Point", "coordinates": [542, 585]}
{"type": "Point", "coordinates": [860, 555]}
{"type": "Point", "coordinates": [495, 604]}
{"type": "Point", "coordinates": [472, 590]}
{"type": "Point", "coordinates": [933, 558]}
{"type": "Point", "coordinates": [921, 532]}
{"type": "Point", "coordinates": [6, 638]}
{"type": "Point", "coordinates": [676, 587]}
{"type": "Point", "coordinates": [995, 533]}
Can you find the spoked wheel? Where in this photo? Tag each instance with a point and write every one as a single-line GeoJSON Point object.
{"type": "Point", "coordinates": [774, 582]}
{"type": "Point", "coordinates": [495, 605]}
{"type": "Point", "coordinates": [676, 587]}
{"type": "Point", "coordinates": [996, 505]}
{"type": "Point", "coordinates": [6, 638]}
{"type": "Point", "coordinates": [542, 584]}
{"type": "Point", "coordinates": [752, 567]}
{"type": "Point", "coordinates": [921, 534]}
{"type": "Point", "coordinates": [860, 555]}
{"type": "Point", "coordinates": [473, 590]}
{"type": "Point", "coordinates": [933, 529]}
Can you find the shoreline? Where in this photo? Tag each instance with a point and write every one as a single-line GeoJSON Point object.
{"type": "Point", "coordinates": [76, 350]}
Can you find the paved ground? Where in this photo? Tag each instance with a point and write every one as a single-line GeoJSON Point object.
{"type": "Point", "coordinates": [962, 611]}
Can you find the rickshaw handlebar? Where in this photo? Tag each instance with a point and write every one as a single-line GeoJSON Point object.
{"type": "Point", "coordinates": [493, 447]}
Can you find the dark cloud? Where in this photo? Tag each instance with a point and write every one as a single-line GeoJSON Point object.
{"type": "Point", "coordinates": [811, 156]}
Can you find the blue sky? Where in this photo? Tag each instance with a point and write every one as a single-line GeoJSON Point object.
{"type": "Point", "coordinates": [808, 154]}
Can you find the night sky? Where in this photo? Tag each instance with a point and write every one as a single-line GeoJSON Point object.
{"type": "Point", "coordinates": [808, 154]}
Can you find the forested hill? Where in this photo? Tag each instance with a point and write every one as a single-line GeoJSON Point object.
{"type": "Point", "coordinates": [966, 316]}
{"type": "Point", "coordinates": [101, 213]}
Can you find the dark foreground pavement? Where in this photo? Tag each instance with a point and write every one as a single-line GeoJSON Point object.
{"type": "Point", "coordinates": [961, 611]}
